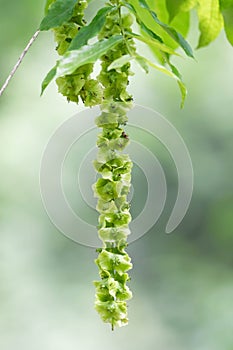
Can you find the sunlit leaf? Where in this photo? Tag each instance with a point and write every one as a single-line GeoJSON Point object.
{"type": "Point", "coordinates": [169, 30]}
{"type": "Point", "coordinates": [141, 23]}
{"type": "Point", "coordinates": [173, 7]}
{"type": "Point", "coordinates": [86, 54]}
{"type": "Point", "coordinates": [180, 23]}
{"type": "Point", "coordinates": [176, 6]}
{"type": "Point", "coordinates": [210, 21]}
{"type": "Point", "coordinates": [150, 32]}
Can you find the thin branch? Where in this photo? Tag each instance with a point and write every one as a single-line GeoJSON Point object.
{"type": "Point", "coordinates": [12, 73]}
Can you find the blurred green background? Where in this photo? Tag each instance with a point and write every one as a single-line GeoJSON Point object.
{"type": "Point", "coordinates": [183, 282]}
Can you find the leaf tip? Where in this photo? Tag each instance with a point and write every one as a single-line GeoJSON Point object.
{"type": "Point", "coordinates": [49, 77]}
{"type": "Point", "coordinates": [42, 90]}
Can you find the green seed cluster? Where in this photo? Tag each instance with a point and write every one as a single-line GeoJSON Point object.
{"type": "Point", "coordinates": [115, 82]}
{"type": "Point", "coordinates": [109, 91]}
{"type": "Point", "coordinates": [78, 84]}
{"type": "Point", "coordinates": [113, 186]}
{"type": "Point", "coordinates": [112, 189]}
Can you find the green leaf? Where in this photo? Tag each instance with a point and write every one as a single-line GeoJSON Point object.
{"type": "Point", "coordinates": [48, 3]}
{"type": "Point", "coordinates": [74, 59]}
{"type": "Point", "coordinates": [176, 6]}
{"type": "Point", "coordinates": [173, 7]}
{"type": "Point", "coordinates": [174, 74]}
{"type": "Point", "coordinates": [49, 77]}
{"type": "Point", "coordinates": [59, 12]}
{"type": "Point", "coordinates": [150, 27]}
{"type": "Point", "coordinates": [210, 21]}
{"type": "Point", "coordinates": [141, 23]}
{"type": "Point", "coordinates": [154, 44]}
{"type": "Point", "coordinates": [227, 12]}
{"type": "Point", "coordinates": [142, 63]}
{"type": "Point", "coordinates": [188, 5]}
{"type": "Point", "coordinates": [144, 5]}
{"type": "Point", "coordinates": [87, 32]}
{"type": "Point", "coordinates": [180, 82]}
{"type": "Point", "coordinates": [183, 91]}
{"type": "Point", "coordinates": [169, 30]}
{"type": "Point", "coordinates": [180, 23]}
{"type": "Point", "coordinates": [226, 4]}
{"type": "Point", "coordinates": [119, 62]}
{"type": "Point", "coordinates": [160, 9]}
{"type": "Point", "coordinates": [150, 32]}
{"type": "Point", "coordinates": [86, 54]}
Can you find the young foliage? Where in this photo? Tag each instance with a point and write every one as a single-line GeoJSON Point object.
{"type": "Point", "coordinates": [210, 21]}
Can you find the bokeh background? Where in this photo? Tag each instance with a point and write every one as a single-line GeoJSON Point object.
{"type": "Point", "coordinates": [183, 282]}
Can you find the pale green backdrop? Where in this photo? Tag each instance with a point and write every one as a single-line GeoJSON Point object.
{"type": "Point", "coordinates": [182, 283]}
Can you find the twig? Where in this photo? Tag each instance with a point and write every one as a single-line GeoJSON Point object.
{"type": "Point", "coordinates": [12, 73]}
